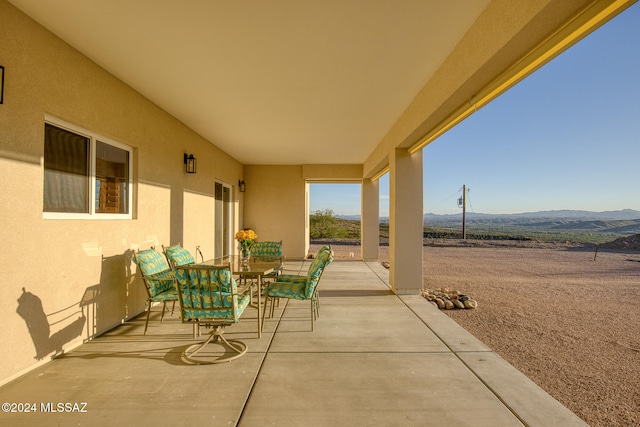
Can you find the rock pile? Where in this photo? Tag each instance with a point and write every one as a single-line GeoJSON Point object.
{"type": "Point", "coordinates": [445, 299]}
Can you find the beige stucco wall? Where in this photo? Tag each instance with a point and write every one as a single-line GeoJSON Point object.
{"type": "Point", "coordinates": [332, 173]}
{"type": "Point", "coordinates": [68, 280]}
{"type": "Point", "coordinates": [274, 208]}
{"type": "Point", "coordinates": [276, 201]}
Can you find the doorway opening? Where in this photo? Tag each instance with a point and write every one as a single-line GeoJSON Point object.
{"type": "Point", "coordinates": [223, 214]}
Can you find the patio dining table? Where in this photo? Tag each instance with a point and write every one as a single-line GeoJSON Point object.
{"type": "Point", "coordinates": [253, 269]}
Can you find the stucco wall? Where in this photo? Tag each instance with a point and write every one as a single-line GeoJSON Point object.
{"type": "Point", "coordinates": [274, 199]}
{"type": "Point", "coordinates": [68, 280]}
{"type": "Point", "coordinates": [273, 206]}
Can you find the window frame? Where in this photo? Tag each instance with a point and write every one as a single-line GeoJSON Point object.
{"type": "Point", "coordinates": [93, 139]}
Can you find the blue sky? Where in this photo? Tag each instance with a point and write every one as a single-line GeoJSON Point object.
{"type": "Point", "coordinates": [566, 137]}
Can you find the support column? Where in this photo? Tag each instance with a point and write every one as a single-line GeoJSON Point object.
{"type": "Point", "coordinates": [405, 221]}
{"type": "Point", "coordinates": [370, 220]}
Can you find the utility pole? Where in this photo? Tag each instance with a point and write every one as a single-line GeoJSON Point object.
{"type": "Point", "coordinates": [464, 211]}
{"type": "Point", "coordinates": [462, 203]}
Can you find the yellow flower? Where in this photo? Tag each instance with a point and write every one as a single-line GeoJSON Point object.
{"type": "Point", "coordinates": [246, 234]}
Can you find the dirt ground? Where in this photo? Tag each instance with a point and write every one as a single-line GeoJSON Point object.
{"type": "Point", "coordinates": [566, 318]}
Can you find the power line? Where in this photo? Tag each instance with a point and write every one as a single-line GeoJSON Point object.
{"type": "Point", "coordinates": [469, 199]}
{"type": "Point", "coordinates": [445, 200]}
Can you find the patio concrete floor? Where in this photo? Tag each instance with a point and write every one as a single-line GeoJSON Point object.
{"type": "Point", "coordinates": [374, 359]}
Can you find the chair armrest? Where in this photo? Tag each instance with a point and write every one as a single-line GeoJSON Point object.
{"type": "Point", "coordinates": [244, 288]}
{"type": "Point", "coordinates": [160, 282]}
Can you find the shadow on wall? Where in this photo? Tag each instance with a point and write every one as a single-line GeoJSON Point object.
{"type": "Point", "coordinates": [116, 298]}
{"type": "Point", "coordinates": [30, 309]}
{"type": "Point", "coordinates": [101, 307]}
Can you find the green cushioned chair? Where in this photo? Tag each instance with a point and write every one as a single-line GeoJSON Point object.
{"type": "Point", "coordinates": [158, 279]}
{"type": "Point", "coordinates": [177, 255]}
{"type": "Point", "coordinates": [209, 297]}
{"type": "Point", "coordinates": [268, 251]}
{"type": "Point", "coordinates": [300, 287]}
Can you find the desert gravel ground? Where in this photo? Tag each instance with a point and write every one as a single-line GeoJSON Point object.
{"type": "Point", "coordinates": [567, 319]}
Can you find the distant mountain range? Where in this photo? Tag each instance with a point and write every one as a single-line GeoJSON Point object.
{"type": "Point", "coordinates": [556, 214]}
{"type": "Point", "coordinates": [625, 221]}
{"type": "Point", "coordinates": [565, 214]}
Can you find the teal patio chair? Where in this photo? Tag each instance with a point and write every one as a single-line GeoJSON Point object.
{"type": "Point", "coordinates": [268, 251]}
{"type": "Point", "coordinates": [209, 297]}
{"type": "Point", "coordinates": [177, 255]}
{"type": "Point", "coordinates": [300, 287]}
{"type": "Point", "coordinates": [158, 279]}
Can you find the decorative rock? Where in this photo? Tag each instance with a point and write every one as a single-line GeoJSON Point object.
{"type": "Point", "coordinates": [458, 303]}
{"type": "Point", "coordinates": [470, 303]}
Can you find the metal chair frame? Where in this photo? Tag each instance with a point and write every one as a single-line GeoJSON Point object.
{"type": "Point", "coordinates": [198, 293]}
{"type": "Point", "coordinates": [165, 275]}
{"type": "Point", "coordinates": [314, 299]}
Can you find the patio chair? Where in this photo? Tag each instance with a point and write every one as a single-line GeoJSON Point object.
{"type": "Point", "coordinates": [158, 279]}
{"type": "Point", "coordinates": [177, 255]}
{"type": "Point", "coordinates": [268, 251]}
{"type": "Point", "coordinates": [209, 297]}
{"type": "Point", "coordinates": [300, 287]}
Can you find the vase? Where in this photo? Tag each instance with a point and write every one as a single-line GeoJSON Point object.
{"type": "Point", "coordinates": [245, 253]}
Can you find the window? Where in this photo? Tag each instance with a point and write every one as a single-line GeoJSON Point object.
{"type": "Point", "coordinates": [85, 175]}
{"type": "Point", "coordinates": [112, 178]}
{"type": "Point", "coordinates": [66, 171]}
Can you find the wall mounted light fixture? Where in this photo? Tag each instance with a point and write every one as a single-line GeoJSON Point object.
{"type": "Point", "coordinates": [242, 186]}
{"type": "Point", "coordinates": [190, 163]}
{"type": "Point", "coordinates": [1, 84]}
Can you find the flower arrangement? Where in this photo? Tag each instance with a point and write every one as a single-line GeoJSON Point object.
{"type": "Point", "coordinates": [246, 237]}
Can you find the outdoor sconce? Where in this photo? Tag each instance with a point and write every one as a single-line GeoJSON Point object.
{"type": "Point", "coordinates": [1, 84]}
{"type": "Point", "coordinates": [242, 186]}
{"type": "Point", "coordinates": [190, 163]}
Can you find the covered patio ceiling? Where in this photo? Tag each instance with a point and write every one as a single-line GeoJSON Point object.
{"type": "Point", "coordinates": [270, 82]}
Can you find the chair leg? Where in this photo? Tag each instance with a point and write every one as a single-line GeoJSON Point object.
{"type": "Point", "coordinates": [316, 299]}
{"type": "Point", "coordinates": [216, 335]}
{"type": "Point", "coordinates": [164, 308]}
{"type": "Point", "coordinates": [259, 322]}
{"type": "Point", "coordinates": [272, 313]}
{"type": "Point", "coordinates": [264, 309]}
{"type": "Point", "coordinates": [147, 322]}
